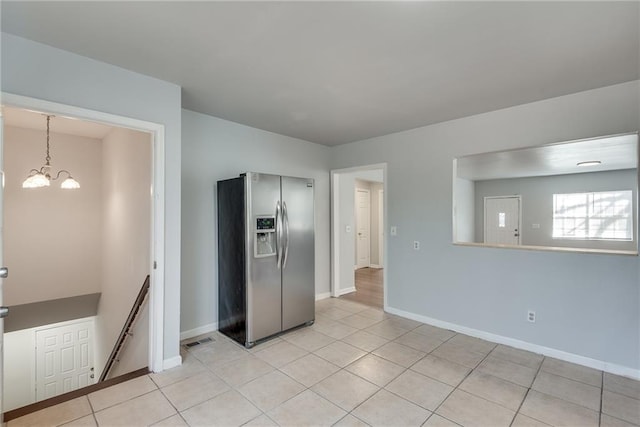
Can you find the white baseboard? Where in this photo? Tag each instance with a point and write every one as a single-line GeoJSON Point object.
{"type": "Point", "coordinates": [346, 290]}
{"type": "Point", "coordinates": [375, 266]}
{"type": "Point", "coordinates": [205, 329]}
{"type": "Point", "coordinates": [523, 345]}
{"type": "Point", "coordinates": [323, 295]}
{"type": "Point", "coordinates": [172, 363]}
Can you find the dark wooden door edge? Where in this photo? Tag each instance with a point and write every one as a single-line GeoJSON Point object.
{"type": "Point", "coordinates": [19, 412]}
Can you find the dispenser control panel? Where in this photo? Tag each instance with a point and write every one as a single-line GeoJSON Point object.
{"type": "Point", "coordinates": [265, 223]}
{"type": "Point", "coordinates": [264, 240]}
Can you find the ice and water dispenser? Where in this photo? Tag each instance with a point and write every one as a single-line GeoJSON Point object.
{"type": "Point", "coordinates": [264, 243]}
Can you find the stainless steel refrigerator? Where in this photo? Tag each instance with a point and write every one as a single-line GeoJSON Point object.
{"type": "Point", "coordinates": [266, 256]}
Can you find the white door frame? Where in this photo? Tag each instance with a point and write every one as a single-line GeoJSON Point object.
{"type": "Point", "coordinates": [484, 214]}
{"type": "Point", "coordinates": [156, 263]}
{"type": "Point", "coordinates": [336, 226]}
{"type": "Point", "coordinates": [1, 263]}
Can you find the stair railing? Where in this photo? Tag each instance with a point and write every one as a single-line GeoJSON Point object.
{"type": "Point", "coordinates": [126, 329]}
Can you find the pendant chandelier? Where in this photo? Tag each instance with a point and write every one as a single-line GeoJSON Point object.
{"type": "Point", "coordinates": [42, 177]}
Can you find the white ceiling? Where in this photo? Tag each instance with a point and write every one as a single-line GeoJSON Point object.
{"type": "Point", "coordinates": [336, 72]}
{"type": "Point", "coordinates": [58, 124]}
{"type": "Point", "coordinates": [614, 152]}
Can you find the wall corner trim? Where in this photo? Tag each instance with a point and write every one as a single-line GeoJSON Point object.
{"type": "Point", "coordinates": [346, 290]}
{"type": "Point", "coordinates": [523, 345]}
{"type": "Point", "coordinates": [323, 295]}
{"type": "Point", "coordinates": [172, 362]}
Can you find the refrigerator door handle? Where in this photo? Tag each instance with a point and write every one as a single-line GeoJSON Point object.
{"type": "Point", "coordinates": [278, 235]}
{"type": "Point", "coordinates": [285, 216]}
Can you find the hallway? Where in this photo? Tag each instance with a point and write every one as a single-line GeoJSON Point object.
{"type": "Point", "coordinates": [369, 287]}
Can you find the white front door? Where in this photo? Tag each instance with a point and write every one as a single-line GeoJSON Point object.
{"type": "Point", "coordinates": [502, 220]}
{"type": "Point", "coordinates": [64, 359]}
{"type": "Point", "coordinates": [363, 227]}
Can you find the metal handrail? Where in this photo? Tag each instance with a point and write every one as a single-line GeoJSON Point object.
{"type": "Point", "coordinates": [133, 314]}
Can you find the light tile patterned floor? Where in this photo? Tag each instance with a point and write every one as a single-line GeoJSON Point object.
{"type": "Point", "coordinates": [359, 366]}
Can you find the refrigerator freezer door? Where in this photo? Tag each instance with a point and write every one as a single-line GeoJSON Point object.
{"type": "Point", "coordinates": [232, 297]}
{"type": "Point", "coordinates": [298, 276]}
{"type": "Point", "coordinates": [264, 292]}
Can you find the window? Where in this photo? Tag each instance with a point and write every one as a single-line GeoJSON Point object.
{"type": "Point", "coordinates": [502, 219]}
{"type": "Point", "coordinates": [593, 216]}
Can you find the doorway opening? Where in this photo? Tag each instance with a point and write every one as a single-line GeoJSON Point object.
{"type": "Point", "coordinates": [110, 180]}
{"type": "Point", "coordinates": [358, 237]}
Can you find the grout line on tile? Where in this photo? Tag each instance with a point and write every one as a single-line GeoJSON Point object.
{"type": "Point", "coordinates": [93, 412]}
{"type": "Point", "coordinates": [527, 393]}
{"type": "Point", "coordinates": [601, 399]}
{"type": "Point", "coordinates": [560, 374]}
{"type": "Point", "coordinates": [458, 386]}
{"type": "Point", "coordinates": [434, 413]}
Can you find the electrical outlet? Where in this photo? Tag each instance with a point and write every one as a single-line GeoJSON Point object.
{"type": "Point", "coordinates": [531, 316]}
{"type": "Point", "coordinates": [416, 245]}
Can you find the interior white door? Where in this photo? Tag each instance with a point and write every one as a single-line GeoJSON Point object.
{"type": "Point", "coordinates": [502, 220]}
{"type": "Point", "coordinates": [363, 227]}
{"type": "Point", "coordinates": [64, 359]}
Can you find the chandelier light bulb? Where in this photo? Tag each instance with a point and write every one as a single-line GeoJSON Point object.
{"type": "Point", "coordinates": [70, 184]}
{"type": "Point", "coordinates": [37, 180]}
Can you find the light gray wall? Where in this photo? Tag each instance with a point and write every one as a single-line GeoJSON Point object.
{"type": "Point", "coordinates": [126, 253]}
{"type": "Point", "coordinates": [50, 233]}
{"type": "Point", "coordinates": [39, 71]}
{"type": "Point", "coordinates": [537, 204]}
{"type": "Point", "coordinates": [586, 304]}
{"type": "Point", "coordinates": [215, 149]}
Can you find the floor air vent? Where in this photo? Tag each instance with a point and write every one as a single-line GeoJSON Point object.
{"type": "Point", "coordinates": [202, 341]}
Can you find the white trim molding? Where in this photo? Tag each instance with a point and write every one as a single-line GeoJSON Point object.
{"type": "Point", "coordinates": [375, 266]}
{"type": "Point", "coordinates": [200, 330]}
{"type": "Point", "coordinates": [323, 295]}
{"type": "Point", "coordinates": [523, 345]}
{"type": "Point", "coordinates": [172, 362]}
{"type": "Point", "coordinates": [346, 290]}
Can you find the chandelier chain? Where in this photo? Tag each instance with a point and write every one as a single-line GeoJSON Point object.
{"type": "Point", "coordinates": [48, 158]}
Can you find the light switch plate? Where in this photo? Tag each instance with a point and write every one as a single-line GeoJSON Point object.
{"type": "Point", "coordinates": [394, 230]}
